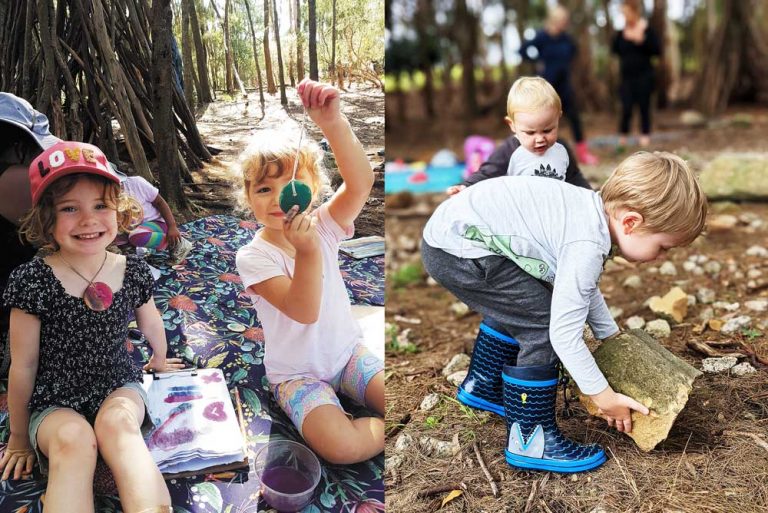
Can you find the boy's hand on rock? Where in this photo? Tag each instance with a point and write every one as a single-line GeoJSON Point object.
{"type": "Point", "coordinates": [616, 409]}
{"type": "Point", "coordinates": [300, 230]}
{"type": "Point", "coordinates": [322, 102]}
{"type": "Point", "coordinates": [455, 189]}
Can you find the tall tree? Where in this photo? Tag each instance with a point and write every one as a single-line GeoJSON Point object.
{"type": "Point", "coordinates": [332, 69]}
{"type": "Point", "coordinates": [271, 89]}
{"type": "Point", "coordinates": [255, 53]}
{"type": "Point", "coordinates": [186, 56]}
{"type": "Point", "coordinates": [312, 40]}
{"type": "Point", "coordinates": [162, 102]}
{"type": "Point", "coordinates": [226, 46]}
{"type": "Point", "coordinates": [204, 93]}
{"type": "Point", "coordinates": [227, 49]}
{"type": "Point", "coordinates": [658, 21]}
{"type": "Point", "coordinates": [424, 20]}
{"type": "Point", "coordinates": [299, 49]}
{"type": "Point", "coordinates": [466, 30]}
{"type": "Point", "coordinates": [283, 97]}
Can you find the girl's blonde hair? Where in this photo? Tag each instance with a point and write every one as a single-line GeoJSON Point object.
{"type": "Point", "coordinates": [530, 94]}
{"type": "Point", "coordinates": [271, 154]}
{"type": "Point", "coordinates": [37, 226]}
{"type": "Point", "coordinates": [662, 188]}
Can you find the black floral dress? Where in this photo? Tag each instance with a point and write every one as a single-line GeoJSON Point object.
{"type": "Point", "coordinates": [83, 356]}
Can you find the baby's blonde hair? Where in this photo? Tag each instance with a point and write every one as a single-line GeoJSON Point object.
{"type": "Point", "coordinates": [272, 153]}
{"type": "Point", "coordinates": [662, 188]}
{"type": "Point", "coordinates": [529, 94]}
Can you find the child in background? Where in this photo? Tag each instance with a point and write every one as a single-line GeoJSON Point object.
{"type": "Point", "coordinates": [73, 387]}
{"type": "Point", "coordinates": [533, 115]}
{"type": "Point", "coordinates": [158, 228]}
{"type": "Point", "coordinates": [314, 348]}
{"type": "Point", "coordinates": [534, 266]}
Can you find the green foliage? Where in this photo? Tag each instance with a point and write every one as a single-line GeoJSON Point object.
{"type": "Point", "coordinates": [432, 422]}
{"type": "Point", "coordinates": [751, 333]}
{"type": "Point", "coordinates": [407, 274]}
{"type": "Point", "coordinates": [391, 332]}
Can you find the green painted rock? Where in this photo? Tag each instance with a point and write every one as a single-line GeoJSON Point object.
{"type": "Point", "coordinates": [295, 193]}
{"type": "Point", "coordinates": [736, 176]}
{"type": "Point", "coordinates": [636, 365]}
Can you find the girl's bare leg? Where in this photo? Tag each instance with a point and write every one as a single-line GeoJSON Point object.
{"type": "Point", "coordinates": [339, 440]}
{"type": "Point", "coordinates": [139, 482]}
{"type": "Point", "coordinates": [69, 442]}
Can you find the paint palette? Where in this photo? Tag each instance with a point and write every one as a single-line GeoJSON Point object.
{"type": "Point", "coordinates": [196, 427]}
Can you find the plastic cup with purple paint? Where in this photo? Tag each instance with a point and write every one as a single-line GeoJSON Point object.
{"type": "Point", "coordinates": [288, 472]}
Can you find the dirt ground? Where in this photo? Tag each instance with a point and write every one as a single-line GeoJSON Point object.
{"type": "Point", "coordinates": [716, 456]}
{"type": "Point", "coordinates": [227, 124]}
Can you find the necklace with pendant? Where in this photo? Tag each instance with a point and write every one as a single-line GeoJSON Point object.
{"type": "Point", "coordinates": [97, 295]}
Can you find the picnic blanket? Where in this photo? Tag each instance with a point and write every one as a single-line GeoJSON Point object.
{"type": "Point", "coordinates": [209, 322]}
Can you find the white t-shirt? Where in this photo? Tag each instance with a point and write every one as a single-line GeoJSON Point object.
{"type": "Point", "coordinates": [554, 231]}
{"type": "Point", "coordinates": [552, 164]}
{"type": "Point", "coordinates": [145, 193]}
{"type": "Point", "coordinates": [292, 349]}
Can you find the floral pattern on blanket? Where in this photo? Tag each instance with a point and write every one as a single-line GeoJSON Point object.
{"type": "Point", "coordinates": [209, 323]}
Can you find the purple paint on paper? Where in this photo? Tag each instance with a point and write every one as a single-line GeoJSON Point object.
{"type": "Point", "coordinates": [215, 412]}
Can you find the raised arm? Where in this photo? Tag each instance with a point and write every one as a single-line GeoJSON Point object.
{"type": "Point", "coordinates": [24, 335]}
{"type": "Point", "coordinates": [323, 106]}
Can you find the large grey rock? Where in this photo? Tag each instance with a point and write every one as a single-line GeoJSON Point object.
{"type": "Point", "coordinates": [635, 364]}
{"type": "Point", "coordinates": [736, 176]}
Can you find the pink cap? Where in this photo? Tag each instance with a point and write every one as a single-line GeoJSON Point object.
{"type": "Point", "coordinates": [66, 158]}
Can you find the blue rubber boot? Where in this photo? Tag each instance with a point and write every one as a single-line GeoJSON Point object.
{"type": "Point", "coordinates": [482, 388]}
{"type": "Point", "coordinates": [534, 441]}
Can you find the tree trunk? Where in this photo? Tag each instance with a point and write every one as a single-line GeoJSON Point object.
{"type": "Point", "coordinates": [115, 83]}
{"type": "Point", "coordinates": [424, 20]}
{"type": "Point", "coordinates": [313, 72]}
{"type": "Point", "coordinates": [283, 97]}
{"type": "Point", "coordinates": [162, 101]}
{"type": "Point", "coordinates": [186, 55]}
{"type": "Point", "coordinates": [466, 36]}
{"type": "Point", "coordinates": [299, 48]}
{"type": "Point", "coordinates": [26, 69]}
{"type": "Point", "coordinates": [586, 88]}
{"type": "Point", "coordinates": [271, 89]}
{"type": "Point", "coordinates": [44, 98]}
{"type": "Point", "coordinates": [332, 69]}
{"type": "Point", "coordinates": [227, 49]}
{"type": "Point", "coordinates": [658, 22]}
{"type": "Point", "coordinates": [255, 54]}
{"type": "Point", "coordinates": [204, 93]}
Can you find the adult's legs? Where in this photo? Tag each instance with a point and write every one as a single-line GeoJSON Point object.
{"type": "Point", "coordinates": [625, 94]}
{"type": "Point", "coordinates": [69, 443]}
{"type": "Point", "coordinates": [571, 111]}
{"type": "Point", "coordinates": [643, 93]}
{"type": "Point", "coordinates": [118, 433]}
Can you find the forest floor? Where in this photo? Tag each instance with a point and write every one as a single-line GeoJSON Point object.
{"type": "Point", "coordinates": [228, 124]}
{"type": "Point", "coordinates": [716, 456]}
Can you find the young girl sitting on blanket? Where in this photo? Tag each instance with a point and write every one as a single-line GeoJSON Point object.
{"type": "Point", "coordinates": [73, 387]}
{"type": "Point", "coordinates": [314, 348]}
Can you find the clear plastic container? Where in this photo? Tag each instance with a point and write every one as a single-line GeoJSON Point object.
{"type": "Point", "coordinates": [288, 472]}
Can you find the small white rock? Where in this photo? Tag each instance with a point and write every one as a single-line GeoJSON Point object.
{"type": "Point", "coordinates": [429, 402]}
{"type": "Point", "coordinates": [699, 259]}
{"type": "Point", "coordinates": [728, 307]}
{"type": "Point", "coordinates": [615, 311]}
{"type": "Point", "coordinates": [707, 314]}
{"type": "Point", "coordinates": [457, 378]}
{"type": "Point", "coordinates": [738, 275]}
{"type": "Point", "coordinates": [712, 267]}
{"type": "Point", "coordinates": [668, 269]}
{"type": "Point", "coordinates": [460, 309]}
{"type": "Point", "coordinates": [705, 295]}
{"type": "Point", "coordinates": [691, 300]}
{"type": "Point", "coordinates": [722, 364]}
{"type": "Point", "coordinates": [689, 265]}
{"type": "Point", "coordinates": [633, 282]}
{"type": "Point", "coordinates": [393, 462]}
{"type": "Point", "coordinates": [736, 324]}
{"type": "Point", "coordinates": [438, 448]}
{"type": "Point", "coordinates": [431, 281]}
{"type": "Point", "coordinates": [754, 273]}
{"type": "Point", "coordinates": [635, 322]}
{"type": "Point", "coordinates": [757, 251]}
{"type": "Point", "coordinates": [459, 362]}
{"type": "Point", "coordinates": [403, 442]}
{"type": "Point", "coordinates": [658, 328]}
{"type": "Point", "coordinates": [652, 270]}
{"type": "Point", "coordinates": [757, 305]}
{"type": "Point", "coordinates": [743, 369]}
{"type": "Point", "coordinates": [697, 271]}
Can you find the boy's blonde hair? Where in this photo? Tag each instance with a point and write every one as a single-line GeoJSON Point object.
{"type": "Point", "coordinates": [529, 94]}
{"type": "Point", "coordinates": [37, 226]}
{"type": "Point", "coordinates": [271, 153]}
{"type": "Point", "coordinates": [662, 188]}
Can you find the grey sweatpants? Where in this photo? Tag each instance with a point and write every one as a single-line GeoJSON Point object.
{"type": "Point", "coordinates": [497, 288]}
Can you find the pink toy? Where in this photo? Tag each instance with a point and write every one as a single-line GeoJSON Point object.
{"type": "Point", "coordinates": [477, 149]}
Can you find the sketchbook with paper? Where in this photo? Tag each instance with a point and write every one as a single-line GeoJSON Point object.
{"type": "Point", "coordinates": [196, 427]}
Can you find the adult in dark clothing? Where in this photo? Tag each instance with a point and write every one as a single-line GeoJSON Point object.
{"type": "Point", "coordinates": [635, 45]}
{"type": "Point", "coordinates": [498, 162]}
{"type": "Point", "coordinates": [24, 134]}
{"type": "Point", "coordinates": [555, 51]}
